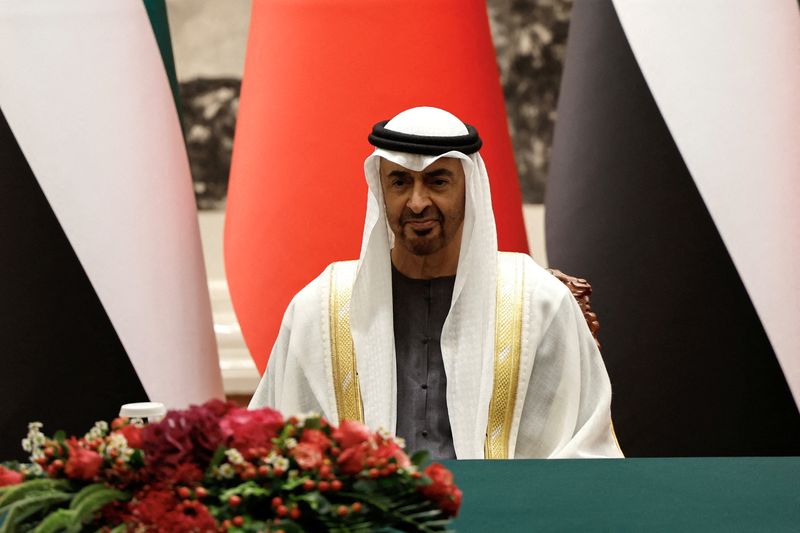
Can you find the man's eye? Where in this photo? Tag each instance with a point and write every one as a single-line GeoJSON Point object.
{"type": "Point", "coordinates": [398, 183]}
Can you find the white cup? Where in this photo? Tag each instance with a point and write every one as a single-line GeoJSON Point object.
{"type": "Point", "coordinates": [145, 411]}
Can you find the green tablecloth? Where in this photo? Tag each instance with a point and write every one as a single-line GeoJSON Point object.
{"type": "Point", "coordinates": [690, 494]}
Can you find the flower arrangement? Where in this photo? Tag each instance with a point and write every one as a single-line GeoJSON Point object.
{"type": "Point", "coordinates": [217, 467]}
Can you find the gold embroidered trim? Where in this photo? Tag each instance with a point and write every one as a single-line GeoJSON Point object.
{"type": "Point", "coordinates": [507, 339]}
{"type": "Point", "coordinates": [614, 434]}
{"type": "Point", "coordinates": [345, 371]}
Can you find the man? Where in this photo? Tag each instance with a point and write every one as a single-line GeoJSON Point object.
{"type": "Point", "coordinates": [461, 350]}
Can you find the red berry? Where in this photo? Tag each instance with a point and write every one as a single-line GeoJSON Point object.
{"type": "Point", "coordinates": [356, 507]}
{"type": "Point", "coordinates": [294, 514]}
{"type": "Point", "coordinates": [282, 510]}
{"type": "Point", "coordinates": [263, 470]}
{"type": "Point", "coordinates": [324, 470]}
{"type": "Point", "coordinates": [308, 484]}
{"type": "Point", "coordinates": [342, 510]}
{"type": "Point", "coordinates": [238, 521]}
{"type": "Point", "coordinates": [234, 500]}
{"type": "Point", "coordinates": [278, 472]}
{"type": "Point", "coordinates": [58, 463]}
{"type": "Point", "coordinates": [336, 484]}
{"type": "Point", "coordinates": [392, 468]}
{"type": "Point", "coordinates": [249, 473]}
{"type": "Point", "coordinates": [49, 451]}
{"type": "Point", "coordinates": [200, 492]}
{"type": "Point", "coordinates": [373, 473]}
{"type": "Point", "coordinates": [184, 492]}
{"type": "Point", "coordinates": [226, 524]}
{"type": "Point", "coordinates": [323, 486]}
{"type": "Point", "coordinates": [276, 501]}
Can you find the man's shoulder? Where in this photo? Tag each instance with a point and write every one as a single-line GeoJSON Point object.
{"type": "Point", "coordinates": [320, 285]}
{"type": "Point", "coordinates": [537, 279]}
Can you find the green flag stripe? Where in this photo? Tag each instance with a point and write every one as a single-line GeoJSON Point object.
{"type": "Point", "coordinates": [157, 11]}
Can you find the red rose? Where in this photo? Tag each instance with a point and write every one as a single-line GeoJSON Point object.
{"type": "Point", "coordinates": [9, 477]}
{"type": "Point", "coordinates": [351, 433]}
{"type": "Point", "coordinates": [441, 477]}
{"type": "Point", "coordinates": [307, 456]}
{"type": "Point", "coordinates": [351, 461]}
{"type": "Point", "coordinates": [191, 435]}
{"type": "Point", "coordinates": [132, 434]}
{"type": "Point", "coordinates": [82, 463]}
{"type": "Point", "coordinates": [452, 502]}
{"type": "Point", "coordinates": [442, 490]}
{"type": "Point", "coordinates": [316, 438]}
{"type": "Point", "coordinates": [390, 450]}
{"type": "Point", "coordinates": [246, 429]}
{"type": "Point", "coordinates": [186, 474]}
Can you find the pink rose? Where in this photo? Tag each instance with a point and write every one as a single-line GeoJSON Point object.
{"type": "Point", "coordinates": [317, 438]}
{"type": "Point", "coordinates": [10, 477]}
{"type": "Point", "coordinates": [246, 429]}
{"type": "Point", "coordinates": [351, 433]}
{"type": "Point", "coordinates": [307, 456]}
{"type": "Point", "coordinates": [351, 461]}
{"type": "Point", "coordinates": [390, 450]}
{"type": "Point", "coordinates": [133, 435]}
{"type": "Point", "coordinates": [82, 463]}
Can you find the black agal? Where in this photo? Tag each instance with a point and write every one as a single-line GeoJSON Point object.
{"type": "Point", "coordinates": [424, 144]}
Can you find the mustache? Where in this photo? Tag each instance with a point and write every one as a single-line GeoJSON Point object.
{"type": "Point", "coordinates": [429, 213]}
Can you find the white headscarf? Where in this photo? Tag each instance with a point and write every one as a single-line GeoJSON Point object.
{"type": "Point", "coordinates": [467, 339]}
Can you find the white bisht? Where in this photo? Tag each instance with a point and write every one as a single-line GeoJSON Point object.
{"type": "Point", "coordinates": [563, 396]}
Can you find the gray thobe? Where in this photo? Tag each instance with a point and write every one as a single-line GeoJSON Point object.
{"type": "Point", "coordinates": [420, 307]}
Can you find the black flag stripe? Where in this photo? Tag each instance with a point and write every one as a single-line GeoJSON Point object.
{"type": "Point", "coordinates": [61, 361]}
{"type": "Point", "coordinates": [692, 370]}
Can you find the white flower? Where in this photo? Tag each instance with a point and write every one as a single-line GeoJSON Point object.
{"type": "Point", "coordinates": [385, 433]}
{"type": "Point", "coordinates": [282, 463]}
{"type": "Point", "coordinates": [35, 440]}
{"type": "Point", "coordinates": [117, 446]}
{"type": "Point", "coordinates": [33, 469]}
{"type": "Point", "coordinates": [226, 470]}
{"type": "Point", "coordinates": [290, 443]}
{"type": "Point", "coordinates": [234, 457]}
{"type": "Point", "coordinates": [400, 441]}
{"type": "Point", "coordinates": [99, 430]}
{"type": "Point", "coordinates": [278, 461]}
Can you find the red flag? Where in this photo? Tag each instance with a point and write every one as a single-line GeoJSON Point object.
{"type": "Point", "coordinates": [317, 76]}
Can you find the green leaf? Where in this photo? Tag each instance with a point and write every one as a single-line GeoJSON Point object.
{"type": "Point", "coordinates": [55, 521]}
{"type": "Point", "coordinates": [88, 490]}
{"type": "Point", "coordinates": [293, 483]}
{"type": "Point", "coordinates": [92, 503]}
{"type": "Point", "coordinates": [216, 460]}
{"type": "Point", "coordinates": [60, 437]}
{"type": "Point", "coordinates": [316, 501]}
{"type": "Point", "coordinates": [367, 486]}
{"type": "Point", "coordinates": [420, 458]}
{"type": "Point", "coordinates": [248, 489]}
{"type": "Point", "coordinates": [18, 492]}
{"type": "Point", "coordinates": [33, 503]}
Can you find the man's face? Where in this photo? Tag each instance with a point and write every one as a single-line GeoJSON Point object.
{"type": "Point", "coordinates": [425, 209]}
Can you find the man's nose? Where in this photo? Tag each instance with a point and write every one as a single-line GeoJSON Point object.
{"type": "Point", "coordinates": [420, 199]}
